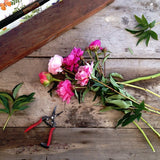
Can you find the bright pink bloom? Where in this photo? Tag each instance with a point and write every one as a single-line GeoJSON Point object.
{"type": "Point", "coordinates": [83, 74]}
{"type": "Point", "coordinates": [54, 65]}
{"type": "Point", "coordinates": [71, 61]}
{"type": "Point", "coordinates": [65, 90]}
{"type": "Point", "coordinates": [45, 78]}
{"type": "Point", "coordinates": [95, 45]}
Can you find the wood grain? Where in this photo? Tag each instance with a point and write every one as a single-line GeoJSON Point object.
{"type": "Point", "coordinates": [45, 27]}
{"type": "Point", "coordinates": [78, 143]}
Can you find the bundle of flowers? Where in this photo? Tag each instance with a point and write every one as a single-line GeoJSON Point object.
{"type": "Point", "coordinates": [74, 76]}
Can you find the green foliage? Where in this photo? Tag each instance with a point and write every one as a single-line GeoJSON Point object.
{"type": "Point", "coordinates": [12, 102]}
{"type": "Point", "coordinates": [143, 31]}
{"type": "Point", "coordinates": [132, 114]}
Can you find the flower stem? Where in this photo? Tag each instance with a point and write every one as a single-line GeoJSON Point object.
{"type": "Point", "coordinates": [142, 78]}
{"type": "Point", "coordinates": [79, 87]}
{"type": "Point", "coordinates": [157, 23]}
{"type": "Point", "coordinates": [145, 136]}
{"type": "Point", "coordinates": [156, 132]}
{"type": "Point", "coordinates": [55, 80]}
{"type": "Point", "coordinates": [141, 88]}
{"type": "Point", "coordinates": [151, 110]}
{"type": "Point", "coordinates": [6, 122]}
{"type": "Point", "coordinates": [100, 67]}
{"type": "Point", "coordinates": [68, 71]}
{"type": "Point", "coordinates": [147, 90]}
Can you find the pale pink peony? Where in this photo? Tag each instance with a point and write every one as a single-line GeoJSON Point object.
{"type": "Point", "coordinates": [71, 61]}
{"type": "Point", "coordinates": [65, 90]}
{"type": "Point", "coordinates": [83, 74]}
{"type": "Point", "coordinates": [54, 65]}
{"type": "Point", "coordinates": [95, 45]}
{"type": "Point", "coordinates": [45, 78]}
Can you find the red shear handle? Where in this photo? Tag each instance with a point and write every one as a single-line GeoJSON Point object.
{"type": "Point", "coordinates": [33, 125]}
{"type": "Point", "coordinates": [50, 136]}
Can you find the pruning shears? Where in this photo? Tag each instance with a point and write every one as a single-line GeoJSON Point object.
{"type": "Point", "coordinates": [50, 121]}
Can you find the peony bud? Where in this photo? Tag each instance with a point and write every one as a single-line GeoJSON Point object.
{"type": "Point", "coordinates": [95, 45]}
{"type": "Point", "coordinates": [45, 78]}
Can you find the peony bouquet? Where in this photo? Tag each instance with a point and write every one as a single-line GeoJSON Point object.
{"type": "Point", "coordinates": [74, 76]}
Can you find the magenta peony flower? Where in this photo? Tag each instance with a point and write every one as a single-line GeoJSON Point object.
{"type": "Point", "coordinates": [54, 65]}
{"type": "Point", "coordinates": [65, 90]}
{"type": "Point", "coordinates": [71, 61]}
{"type": "Point", "coordinates": [83, 74]}
{"type": "Point", "coordinates": [95, 45]}
{"type": "Point", "coordinates": [45, 78]}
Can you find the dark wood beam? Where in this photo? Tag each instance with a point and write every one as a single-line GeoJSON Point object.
{"type": "Point", "coordinates": [45, 27]}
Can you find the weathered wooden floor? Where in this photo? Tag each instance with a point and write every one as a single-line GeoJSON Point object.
{"type": "Point", "coordinates": [83, 132]}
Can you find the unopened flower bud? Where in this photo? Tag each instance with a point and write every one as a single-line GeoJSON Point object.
{"type": "Point", "coordinates": [45, 78]}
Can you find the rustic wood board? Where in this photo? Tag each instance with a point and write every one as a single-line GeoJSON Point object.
{"type": "Point", "coordinates": [45, 27]}
{"type": "Point", "coordinates": [78, 143]}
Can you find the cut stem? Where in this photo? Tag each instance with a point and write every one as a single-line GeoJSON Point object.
{"type": "Point", "coordinates": [6, 122]}
{"type": "Point", "coordinates": [142, 78]}
{"type": "Point", "coordinates": [141, 88]}
{"type": "Point", "coordinates": [157, 23]}
{"type": "Point", "coordinates": [145, 136]}
{"type": "Point", "coordinates": [156, 132]}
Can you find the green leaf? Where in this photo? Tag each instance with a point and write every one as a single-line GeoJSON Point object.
{"type": "Point", "coordinates": [152, 24]}
{"type": "Point", "coordinates": [138, 19]}
{"type": "Point", "coordinates": [3, 110]}
{"type": "Point", "coordinates": [133, 31]}
{"type": "Point", "coordinates": [117, 75]}
{"type": "Point", "coordinates": [144, 20]}
{"type": "Point", "coordinates": [23, 108]}
{"type": "Point", "coordinates": [143, 36]}
{"type": "Point", "coordinates": [4, 101]}
{"type": "Point", "coordinates": [147, 40]}
{"type": "Point", "coordinates": [123, 118]}
{"type": "Point", "coordinates": [139, 34]}
{"type": "Point", "coordinates": [116, 97]}
{"type": "Point", "coordinates": [108, 108]}
{"type": "Point", "coordinates": [113, 82]}
{"type": "Point", "coordinates": [23, 101]}
{"type": "Point", "coordinates": [120, 103]}
{"type": "Point", "coordinates": [130, 119]}
{"type": "Point", "coordinates": [76, 94]}
{"type": "Point", "coordinates": [154, 35]}
{"type": "Point", "coordinates": [7, 95]}
{"type": "Point", "coordinates": [105, 58]}
{"type": "Point", "coordinates": [84, 94]}
{"type": "Point", "coordinates": [16, 89]}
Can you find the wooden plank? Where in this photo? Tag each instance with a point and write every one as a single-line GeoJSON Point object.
{"type": "Point", "coordinates": [44, 27]}
{"type": "Point", "coordinates": [76, 115]}
{"type": "Point", "coordinates": [109, 26]}
{"type": "Point", "coordinates": [78, 143]}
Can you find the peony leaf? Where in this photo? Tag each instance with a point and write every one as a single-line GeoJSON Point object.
{"type": "Point", "coordinates": [7, 95]}
{"type": "Point", "coordinates": [5, 103]}
{"type": "Point", "coordinates": [16, 89]}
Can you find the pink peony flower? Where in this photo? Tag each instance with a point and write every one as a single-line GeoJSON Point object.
{"type": "Point", "coordinates": [83, 74]}
{"type": "Point", "coordinates": [54, 65]}
{"type": "Point", "coordinates": [65, 90]}
{"type": "Point", "coordinates": [71, 61]}
{"type": "Point", "coordinates": [45, 78]}
{"type": "Point", "coordinates": [95, 45]}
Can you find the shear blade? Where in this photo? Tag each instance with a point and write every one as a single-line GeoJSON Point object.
{"type": "Point", "coordinates": [44, 145]}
